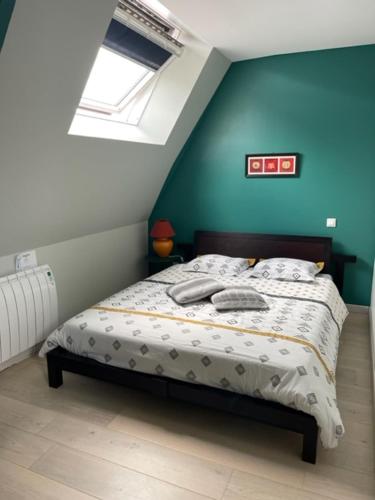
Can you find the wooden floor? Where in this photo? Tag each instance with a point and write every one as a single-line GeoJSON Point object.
{"type": "Point", "coordinates": [90, 439]}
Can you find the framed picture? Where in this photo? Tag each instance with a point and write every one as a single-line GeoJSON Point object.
{"type": "Point", "coordinates": [272, 165]}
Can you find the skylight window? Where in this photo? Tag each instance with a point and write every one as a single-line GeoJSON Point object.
{"type": "Point", "coordinates": [113, 78]}
{"type": "Point", "coordinates": [138, 45]}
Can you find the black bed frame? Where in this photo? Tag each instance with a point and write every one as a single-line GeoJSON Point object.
{"type": "Point", "coordinates": [235, 245]}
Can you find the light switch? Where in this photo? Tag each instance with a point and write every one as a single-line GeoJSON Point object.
{"type": "Point", "coordinates": [331, 222]}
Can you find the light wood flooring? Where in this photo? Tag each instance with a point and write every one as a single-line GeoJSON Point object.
{"type": "Point", "coordinates": [89, 439]}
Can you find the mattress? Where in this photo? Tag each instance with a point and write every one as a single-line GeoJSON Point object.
{"type": "Point", "coordinates": [286, 354]}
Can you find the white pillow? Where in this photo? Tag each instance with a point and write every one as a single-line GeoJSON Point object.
{"type": "Point", "coordinates": [217, 264]}
{"type": "Point", "coordinates": [286, 269]}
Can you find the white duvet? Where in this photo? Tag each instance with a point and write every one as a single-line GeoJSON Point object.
{"type": "Point", "coordinates": [286, 354]}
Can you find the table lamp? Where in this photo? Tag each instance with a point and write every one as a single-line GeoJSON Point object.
{"type": "Point", "coordinates": [162, 232]}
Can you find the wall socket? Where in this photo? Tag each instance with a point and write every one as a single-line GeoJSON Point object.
{"type": "Point", "coordinates": [331, 222]}
{"type": "Point", "coordinates": [26, 260]}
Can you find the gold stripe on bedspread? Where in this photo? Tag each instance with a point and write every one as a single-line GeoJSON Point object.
{"type": "Point", "coordinates": [306, 343]}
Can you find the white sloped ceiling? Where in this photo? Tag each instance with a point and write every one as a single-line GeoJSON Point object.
{"type": "Point", "coordinates": [55, 186]}
{"type": "Point", "coordinates": [246, 29]}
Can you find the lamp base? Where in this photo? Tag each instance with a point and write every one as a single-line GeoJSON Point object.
{"type": "Point", "coordinates": [162, 246]}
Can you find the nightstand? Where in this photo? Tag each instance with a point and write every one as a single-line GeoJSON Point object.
{"type": "Point", "coordinates": [157, 264]}
{"type": "Point", "coordinates": [339, 261]}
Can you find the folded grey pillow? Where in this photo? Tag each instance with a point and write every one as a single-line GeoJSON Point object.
{"type": "Point", "coordinates": [238, 297]}
{"type": "Point", "coordinates": [193, 290]}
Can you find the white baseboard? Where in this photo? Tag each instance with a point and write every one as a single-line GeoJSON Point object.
{"type": "Point", "coordinates": [357, 308]}
{"type": "Point", "coordinates": [20, 357]}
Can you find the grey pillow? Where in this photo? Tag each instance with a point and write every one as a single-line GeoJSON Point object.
{"type": "Point", "coordinates": [193, 290]}
{"type": "Point", "coordinates": [238, 297]}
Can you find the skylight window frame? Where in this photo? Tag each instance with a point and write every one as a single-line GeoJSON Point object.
{"type": "Point", "coordinates": [119, 117]}
{"type": "Point", "coordinates": [102, 107]}
{"type": "Point", "coordinates": [167, 41]}
{"type": "Point", "coordinates": [113, 113]}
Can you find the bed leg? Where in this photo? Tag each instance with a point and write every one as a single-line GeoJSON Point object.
{"type": "Point", "coordinates": [310, 442]}
{"type": "Point", "coordinates": [55, 376]}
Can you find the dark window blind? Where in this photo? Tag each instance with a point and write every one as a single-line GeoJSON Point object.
{"type": "Point", "coordinates": [131, 44]}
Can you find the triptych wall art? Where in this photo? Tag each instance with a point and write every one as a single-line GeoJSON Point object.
{"type": "Point", "coordinates": [272, 165]}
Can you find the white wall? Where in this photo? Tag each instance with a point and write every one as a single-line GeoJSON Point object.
{"type": "Point", "coordinates": [89, 268]}
{"type": "Point", "coordinates": [54, 186]}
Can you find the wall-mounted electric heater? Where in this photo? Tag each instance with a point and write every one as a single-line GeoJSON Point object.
{"type": "Point", "coordinates": [28, 310]}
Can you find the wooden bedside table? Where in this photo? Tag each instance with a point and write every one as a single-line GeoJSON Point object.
{"type": "Point", "coordinates": [157, 264]}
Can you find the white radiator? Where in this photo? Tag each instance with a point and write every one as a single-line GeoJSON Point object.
{"type": "Point", "coordinates": [28, 310]}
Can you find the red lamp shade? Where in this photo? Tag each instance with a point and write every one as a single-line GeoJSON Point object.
{"type": "Point", "coordinates": [162, 229]}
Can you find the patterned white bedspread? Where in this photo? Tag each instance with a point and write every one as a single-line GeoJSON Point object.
{"type": "Point", "coordinates": [286, 354]}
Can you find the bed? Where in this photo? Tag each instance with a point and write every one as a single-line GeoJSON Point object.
{"type": "Point", "coordinates": [234, 361]}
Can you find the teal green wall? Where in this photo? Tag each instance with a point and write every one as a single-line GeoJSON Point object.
{"type": "Point", "coordinates": [6, 9]}
{"type": "Point", "coordinates": [320, 104]}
